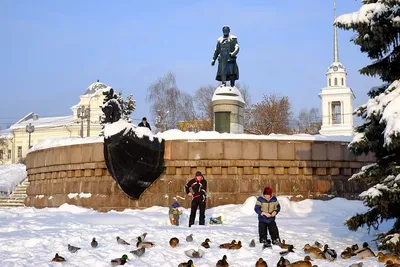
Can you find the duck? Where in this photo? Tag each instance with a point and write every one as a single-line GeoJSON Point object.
{"type": "Point", "coordinates": [94, 243]}
{"type": "Point", "coordinates": [365, 252]}
{"type": "Point", "coordinates": [316, 252]}
{"type": "Point", "coordinates": [120, 261]}
{"type": "Point", "coordinates": [360, 264]}
{"type": "Point", "coordinates": [186, 264]}
{"type": "Point", "coordinates": [139, 252]}
{"type": "Point", "coordinates": [189, 238]}
{"type": "Point", "coordinates": [145, 244]}
{"type": "Point", "coordinates": [304, 263]}
{"type": "Point", "coordinates": [222, 263]}
{"type": "Point", "coordinates": [252, 243]}
{"type": "Point", "coordinates": [347, 253]}
{"type": "Point", "coordinates": [281, 263]}
{"type": "Point", "coordinates": [388, 256]}
{"type": "Point", "coordinates": [191, 253]}
{"type": "Point", "coordinates": [261, 263]}
{"type": "Point", "coordinates": [318, 244]}
{"type": "Point", "coordinates": [73, 249]}
{"type": "Point", "coordinates": [205, 243]}
{"type": "Point", "coordinates": [284, 245]}
{"type": "Point", "coordinates": [354, 247]}
{"type": "Point", "coordinates": [121, 241]}
{"type": "Point", "coordinates": [174, 242]}
{"type": "Point", "coordinates": [58, 258]}
{"type": "Point", "coordinates": [226, 245]}
{"type": "Point", "coordinates": [390, 263]}
{"type": "Point", "coordinates": [285, 252]}
{"type": "Point", "coordinates": [238, 245]}
{"type": "Point", "coordinates": [142, 237]}
{"type": "Point", "coordinates": [330, 254]}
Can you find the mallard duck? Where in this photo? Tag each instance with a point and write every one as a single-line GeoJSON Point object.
{"type": "Point", "coordinates": [189, 238]}
{"type": "Point", "coordinates": [226, 245]}
{"type": "Point", "coordinates": [205, 243]}
{"type": "Point", "coordinates": [316, 252]}
{"type": "Point", "coordinates": [139, 252]}
{"type": "Point", "coordinates": [318, 245]}
{"type": "Point", "coordinates": [73, 249]}
{"type": "Point", "coordinates": [282, 262]}
{"type": "Point", "coordinates": [186, 264]}
{"type": "Point", "coordinates": [388, 256]}
{"type": "Point", "coordinates": [304, 263]}
{"type": "Point", "coordinates": [120, 261]}
{"type": "Point", "coordinates": [365, 252]}
{"type": "Point", "coordinates": [58, 258]}
{"type": "Point", "coordinates": [261, 263]}
{"type": "Point", "coordinates": [236, 246]}
{"type": "Point", "coordinates": [285, 252]}
{"type": "Point", "coordinates": [390, 263]}
{"type": "Point", "coordinates": [360, 264]}
{"type": "Point", "coordinates": [252, 243]}
{"type": "Point", "coordinates": [347, 253]}
{"type": "Point", "coordinates": [284, 245]}
{"type": "Point", "coordinates": [330, 254]}
{"type": "Point", "coordinates": [354, 247]}
{"type": "Point", "coordinates": [191, 253]}
{"type": "Point", "coordinates": [174, 242]}
{"type": "Point", "coordinates": [145, 244]}
{"type": "Point", "coordinates": [142, 237]}
{"type": "Point", "coordinates": [94, 243]}
{"type": "Point", "coordinates": [223, 262]}
{"type": "Point", "coordinates": [121, 241]}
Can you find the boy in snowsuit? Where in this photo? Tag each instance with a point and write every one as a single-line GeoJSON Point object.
{"type": "Point", "coordinates": [267, 207]}
{"type": "Point", "coordinates": [174, 213]}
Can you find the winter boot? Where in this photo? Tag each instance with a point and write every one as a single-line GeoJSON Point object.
{"type": "Point", "coordinates": [277, 242]}
{"type": "Point", "coordinates": [267, 244]}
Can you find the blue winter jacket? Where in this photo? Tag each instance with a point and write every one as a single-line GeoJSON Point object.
{"type": "Point", "coordinates": [262, 205]}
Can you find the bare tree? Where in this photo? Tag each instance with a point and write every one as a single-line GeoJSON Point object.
{"type": "Point", "coordinates": [245, 91]}
{"type": "Point", "coordinates": [3, 148]}
{"type": "Point", "coordinates": [168, 104]}
{"type": "Point", "coordinates": [203, 100]}
{"type": "Point", "coordinates": [308, 121]}
{"type": "Point", "coordinates": [271, 115]}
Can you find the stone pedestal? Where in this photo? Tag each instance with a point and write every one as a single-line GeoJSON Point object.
{"type": "Point", "coordinates": [228, 106]}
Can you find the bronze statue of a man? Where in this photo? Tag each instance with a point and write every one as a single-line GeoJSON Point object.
{"type": "Point", "coordinates": [226, 51]}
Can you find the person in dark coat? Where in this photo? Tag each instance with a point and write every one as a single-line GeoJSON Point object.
{"type": "Point", "coordinates": [197, 189]}
{"type": "Point", "coordinates": [144, 123]}
{"type": "Point", "coordinates": [267, 207]}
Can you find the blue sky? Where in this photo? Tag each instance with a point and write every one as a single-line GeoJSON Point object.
{"type": "Point", "coordinates": [52, 50]}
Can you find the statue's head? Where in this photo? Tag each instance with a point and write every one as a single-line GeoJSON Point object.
{"type": "Point", "coordinates": [226, 30]}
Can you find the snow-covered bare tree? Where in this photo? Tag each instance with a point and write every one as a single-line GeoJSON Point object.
{"type": "Point", "coordinates": [377, 24]}
{"type": "Point", "coordinates": [308, 121]}
{"type": "Point", "coordinates": [128, 105]}
{"type": "Point", "coordinates": [168, 104]}
{"type": "Point", "coordinates": [245, 91]}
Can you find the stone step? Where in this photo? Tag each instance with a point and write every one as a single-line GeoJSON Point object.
{"type": "Point", "coordinates": [15, 195]}
{"type": "Point", "coordinates": [18, 190]}
{"type": "Point", "coordinates": [21, 187]}
{"type": "Point", "coordinates": [11, 205]}
{"type": "Point", "coordinates": [12, 200]}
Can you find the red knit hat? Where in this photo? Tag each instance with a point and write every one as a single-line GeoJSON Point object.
{"type": "Point", "coordinates": [267, 191]}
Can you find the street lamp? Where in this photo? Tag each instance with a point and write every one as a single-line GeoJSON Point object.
{"type": "Point", "coordinates": [30, 129]}
{"type": "Point", "coordinates": [82, 113]}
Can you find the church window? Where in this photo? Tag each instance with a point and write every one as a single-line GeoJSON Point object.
{"type": "Point", "coordinates": [330, 82]}
{"type": "Point", "coordinates": [9, 154]}
{"type": "Point", "coordinates": [342, 81]}
{"type": "Point", "coordinates": [335, 81]}
{"type": "Point", "coordinates": [20, 152]}
{"type": "Point", "coordinates": [336, 112]}
{"type": "Point", "coordinates": [1, 154]}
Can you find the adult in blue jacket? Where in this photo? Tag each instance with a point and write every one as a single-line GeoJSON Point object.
{"type": "Point", "coordinates": [267, 207]}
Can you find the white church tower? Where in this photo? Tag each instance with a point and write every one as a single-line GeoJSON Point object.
{"type": "Point", "coordinates": [336, 97]}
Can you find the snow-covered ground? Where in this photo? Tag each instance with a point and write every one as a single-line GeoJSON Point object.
{"type": "Point", "coordinates": [31, 237]}
{"type": "Point", "coordinates": [11, 175]}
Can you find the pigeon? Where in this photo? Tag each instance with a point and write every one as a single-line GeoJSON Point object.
{"type": "Point", "coordinates": [146, 244]}
{"type": "Point", "coordinates": [58, 258]}
{"type": "Point", "coordinates": [141, 237]}
{"type": "Point", "coordinates": [94, 243]}
{"type": "Point", "coordinates": [194, 254]}
{"type": "Point", "coordinates": [360, 264]}
{"type": "Point", "coordinates": [73, 249]}
{"type": "Point", "coordinates": [252, 243]}
{"type": "Point", "coordinates": [318, 245]}
{"type": "Point", "coordinates": [121, 241]}
{"type": "Point", "coordinates": [139, 252]}
{"type": "Point", "coordinates": [189, 238]}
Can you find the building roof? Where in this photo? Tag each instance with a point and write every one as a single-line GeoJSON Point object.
{"type": "Point", "coordinates": [43, 122]}
{"type": "Point", "coordinates": [96, 86]}
{"type": "Point", "coordinates": [6, 133]}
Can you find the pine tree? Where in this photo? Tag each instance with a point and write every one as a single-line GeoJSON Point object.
{"type": "Point", "coordinates": [377, 24]}
{"type": "Point", "coordinates": [127, 106]}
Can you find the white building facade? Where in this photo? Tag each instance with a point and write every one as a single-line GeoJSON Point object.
{"type": "Point", "coordinates": [336, 97]}
{"type": "Point", "coordinates": [84, 122]}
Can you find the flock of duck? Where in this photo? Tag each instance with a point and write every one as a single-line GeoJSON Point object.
{"type": "Point", "coordinates": [317, 251]}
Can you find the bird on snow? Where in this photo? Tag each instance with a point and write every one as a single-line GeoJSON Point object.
{"type": "Point", "coordinates": [142, 237]}
{"type": "Point", "coordinates": [145, 244]}
{"type": "Point", "coordinates": [73, 249]}
{"type": "Point", "coordinates": [360, 264]}
{"type": "Point", "coordinates": [388, 256]}
{"type": "Point", "coordinates": [191, 253]}
{"type": "Point", "coordinates": [174, 242]}
{"type": "Point", "coordinates": [189, 238]}
{"type": "Point", "coordinates": [120, 261]}
{"type": "Point", "coordinates": [261, 263]}
{"type": "Point", "coordinates": [58, 258]}
{"type": "Point", "coordinates": [121, 241]}
{"type": "Point", "coordinates": [285, 252]}
{"type": "Point", "coordinates": [330, 254]}
{"type": "Point", "coordinates": [226, 245]}
{"type": "Point", "coordinates": [186, 264]}
{"type": "Point", "coordinates": [304, 263]}
{"type": "Point", "coordinates": [223, 262]}
{"type": "Point", "coordinates": [139, 252]}
{"type": "Point", "coordinates": [94, 243]}
{"type": "Point", "coordinates": [252, 244]}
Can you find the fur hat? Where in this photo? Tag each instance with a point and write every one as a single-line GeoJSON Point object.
{"type": "Point", "coordinates": [267, 191]}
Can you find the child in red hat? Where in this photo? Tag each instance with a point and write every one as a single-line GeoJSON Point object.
{"type": "Point", "coordinates": [267, 207]}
